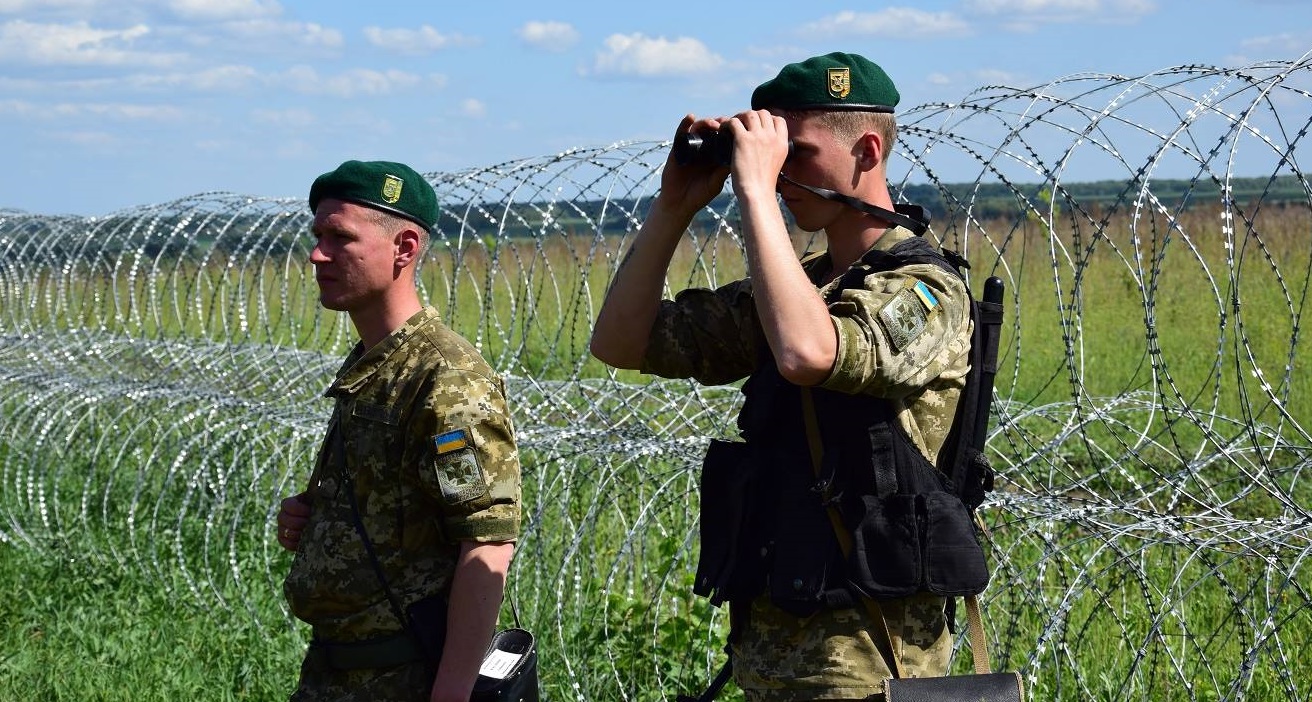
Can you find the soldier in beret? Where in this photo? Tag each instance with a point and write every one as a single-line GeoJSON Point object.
{"type": "Point", "coordinates": [882, 352]}
{"type": "Point", "coordinates": [404, 535]}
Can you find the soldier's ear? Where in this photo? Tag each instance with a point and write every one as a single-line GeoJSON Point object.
{"type": "Point", "coordinates": [869, 150]}
{"type": "Point", "coordinates": [409, 243]}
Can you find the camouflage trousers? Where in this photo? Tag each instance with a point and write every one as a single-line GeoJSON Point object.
{"type": "Point", "coordinates": [831, 655]}
{"type": "Point", "coordinates": [320, 682]}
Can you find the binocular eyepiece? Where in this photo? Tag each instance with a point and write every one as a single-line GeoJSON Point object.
{"type": "Point", "coordinates": [707, 148]}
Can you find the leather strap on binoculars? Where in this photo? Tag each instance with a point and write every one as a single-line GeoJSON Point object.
{"type": "Point", "coordinates": [912, 217]}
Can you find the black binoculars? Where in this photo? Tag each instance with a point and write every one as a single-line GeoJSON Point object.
{"type": "Point", "coordinates": [707, 148]}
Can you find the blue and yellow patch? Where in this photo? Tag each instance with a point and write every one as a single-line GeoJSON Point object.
{"type": "Point", "coordinates": [451, 441]}
{"type": "Point", "coordinates": [906, 315]}
{"type": "Point", "coordinates": [926, 296]}
{"type": "Point", "coordinates": [458, 469]}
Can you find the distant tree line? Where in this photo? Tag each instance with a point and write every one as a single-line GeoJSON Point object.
{"type": "Point", "coordinates": [171, 234]}
{"type": "Point", "coordinates": [989, 200]}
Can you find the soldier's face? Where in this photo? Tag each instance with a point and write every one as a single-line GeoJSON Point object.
{"type": "Point", "coordinates": [354, 258]}
{"type": "Point", "coordinates": [819, 159]}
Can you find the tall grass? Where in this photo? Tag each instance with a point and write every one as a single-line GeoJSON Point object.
{"type": "Point", "coordinates": [103, 606]}
{"type": "Point", "coordinates": [74, 628]}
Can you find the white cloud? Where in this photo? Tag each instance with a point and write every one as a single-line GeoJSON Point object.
{"type": "Point", "coordinates": [993, 76]}
{"type": "Point", "coordinates": [121, 111]}
{"type": "Point", "coordinates": [415, 42]}
{"type": "Point", "coordinates": [223, 9]}
{"type": "Point", "coordinates": [1030, 7]}
{"type": "Point", "coordinates": [639, 55]}
{"type": "Point", "coordinates": [221, 78]}
{"type": "Point", "coordinates": [976, 78]}
{"type": "Point", "coordinates": [127, 112]}
{"type": "Point", "coordinates": [306, 34]}
{"type": "Point", "coordinates": [1285, 44]}
{"type": "Point", "coordinates": [302, 79]}
{"type": "Point", "coordinates": [16, 6]}
{"type": "Point", "coordinates": [217, 79]}
{"type": "Point", "coordinates": [86, 138]}
{"type": "Point", "coordinates": [893, 22]}
{"type": "Point", "coordinates": [1026, 15]}
{"type": "Point", "coordinates": [293, 118]}
{"type": "Point", "coordinates": [16, 107]}
{"type": "Point", "coordinates": [76, 44]}
{"type": "Point", "coordinates": [196, 10]}
{"type": "Point", "coordinates": [354, 83]}
{"type": "Point", "coordinates": [550, 36]}
{"type": "Point", "coordinates": [471, 107]}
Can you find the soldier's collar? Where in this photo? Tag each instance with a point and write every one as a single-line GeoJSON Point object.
{"type": "Point", "coordinates": [361, 365]}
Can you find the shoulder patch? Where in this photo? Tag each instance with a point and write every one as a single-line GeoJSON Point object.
{"type": "Point", "coordinates": [904, 317]}
{"type": "Point", "coordinates": [458, 470]}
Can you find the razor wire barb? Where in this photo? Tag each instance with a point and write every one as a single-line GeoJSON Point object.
{"type": "Point", "coordinates": [161, 370]}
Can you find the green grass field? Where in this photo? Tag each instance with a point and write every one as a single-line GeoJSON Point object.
{"type": "Point", "coordinates": [103, 606]}
{"type": "Point", "coordinates": [90, 629]}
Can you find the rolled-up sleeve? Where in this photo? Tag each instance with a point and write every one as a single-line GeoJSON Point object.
{"type": "Point", "coordinates": [709, 335]}
{"type": "Point", "coordinates": [472, 417]}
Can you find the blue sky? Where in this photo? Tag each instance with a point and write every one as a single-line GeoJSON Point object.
{"type": "Point", "coordinates": [107, 104]}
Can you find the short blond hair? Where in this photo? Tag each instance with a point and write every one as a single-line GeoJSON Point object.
{"type": "Point", "coordinates": [849, 124]}
{"type": "Point", "coordinates": [389, 224]}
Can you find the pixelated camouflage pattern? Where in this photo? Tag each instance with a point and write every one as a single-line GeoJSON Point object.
{"type": "Point", "coordinates": [715, 337]}
{"type": "Point", "coordinates": [925, 378]}
{"type": "Point", "coordinates": [320, 682]}
{"type": "Point", "coordinates": [831, 655]}
{"type": "Point", "coordinates": [391, 401]}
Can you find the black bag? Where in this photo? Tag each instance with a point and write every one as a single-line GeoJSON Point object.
{"type": "Point", "coordinates": [510, 669]}
{"type": "Point", "coordinates": [989, 687]}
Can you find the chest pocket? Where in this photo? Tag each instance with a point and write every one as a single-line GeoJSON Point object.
{"type": "Point", "coordinates": [374, 444]}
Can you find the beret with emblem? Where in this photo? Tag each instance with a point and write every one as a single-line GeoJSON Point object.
{"type": "Point", "coordinates": [836, 81]}
{"type": "Point", "coordinates": [383, 185]}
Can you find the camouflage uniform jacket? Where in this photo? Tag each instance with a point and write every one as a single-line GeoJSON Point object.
{"type": "Point", "coordinates": [715, 337]}
{"type": "Point", "coordinates": [894, 342]}
{"type": "Point", "coordinates": [421, 427]}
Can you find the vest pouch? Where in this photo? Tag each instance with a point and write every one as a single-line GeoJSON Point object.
{"type": "Point", "coordinates": [804, 549]}
{"type": "Point", "coordinates": [954, 560]}
{"type": "Point", "coordinates": [725, 483]}
{"type": "Point", "coordinates": [886, 547]}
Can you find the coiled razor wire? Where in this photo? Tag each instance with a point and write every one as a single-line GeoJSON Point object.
{"type": "Point", "coordinates": [161, 371]}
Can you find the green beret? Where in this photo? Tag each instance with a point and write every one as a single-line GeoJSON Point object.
{"type": "Point", "coordinates": [383, 185]}
{"type": "Point", "coordinates": [836, 81]}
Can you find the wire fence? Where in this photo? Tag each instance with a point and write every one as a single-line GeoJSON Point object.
{"type": "Point", "coordinates": [161, 371]}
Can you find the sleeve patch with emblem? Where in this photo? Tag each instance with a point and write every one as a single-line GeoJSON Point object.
{"type": "Point", "coordinates": [458, 471]}
{"type": "Point", "coordinates": [906, 315]}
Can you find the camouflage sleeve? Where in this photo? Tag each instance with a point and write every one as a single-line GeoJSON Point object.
{"type": "Point", "coordinates": [899, 332]}
{"type": "Point", "coordinates": [471, 466]}
{"type": "Point", "coordinates": [710, 335]}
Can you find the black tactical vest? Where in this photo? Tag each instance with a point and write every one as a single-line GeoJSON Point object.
{"type": "Point", "coordinates": [764, 523]}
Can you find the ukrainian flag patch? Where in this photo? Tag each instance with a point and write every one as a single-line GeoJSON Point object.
{"type": "Point", "coordinates": [926, 296]}
{"type": "Point", "coordinates": [451, 441]}
{"type": "Point", "coordinates": [459, 473]}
